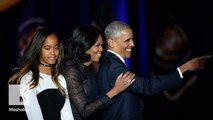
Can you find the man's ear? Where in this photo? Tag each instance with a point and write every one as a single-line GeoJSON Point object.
{"type": "Point", "coordinates": [110, 43]}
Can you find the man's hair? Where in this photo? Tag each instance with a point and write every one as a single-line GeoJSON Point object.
{"type": "Point", "coordinates": [114, 29]}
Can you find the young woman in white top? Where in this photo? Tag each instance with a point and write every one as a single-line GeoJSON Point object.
{"type": "Point", "coordinates": [42, 86]}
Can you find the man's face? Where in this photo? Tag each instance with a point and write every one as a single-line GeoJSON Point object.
{"type": "Point", "coordinates": [124, 43]}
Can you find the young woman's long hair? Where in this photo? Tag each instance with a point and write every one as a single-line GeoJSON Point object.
{"type": "Point", "coordinates": [31, 60]}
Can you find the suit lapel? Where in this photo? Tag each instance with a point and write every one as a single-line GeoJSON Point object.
{"type": "Point", "coordinates": [114, 57]}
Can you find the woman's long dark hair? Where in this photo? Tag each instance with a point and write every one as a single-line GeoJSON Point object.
{"type": "Point", "coordinates": [82, 39]}
{"type": "Point", "coordinates": [31, 60]}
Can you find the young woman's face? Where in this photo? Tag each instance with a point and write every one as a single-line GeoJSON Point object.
{"type": "Point", "coordinates": [96, 50]}
{"type": "Point", "coordinates": [50, 50]}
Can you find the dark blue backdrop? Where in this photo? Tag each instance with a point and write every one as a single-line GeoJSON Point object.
{"type": "Point", "coordinates": [143, 16]}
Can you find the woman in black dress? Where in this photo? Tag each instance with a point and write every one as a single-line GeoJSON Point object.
{"type": "Point", "coordinates": [82, 50]}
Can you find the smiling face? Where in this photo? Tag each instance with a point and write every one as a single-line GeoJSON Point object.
{"type": "Point", "coordinates": [96, 50]}
{"type": "Point", "coordinates": [122, 44]}
{"type": "Point", "coordinates": [50, 50]}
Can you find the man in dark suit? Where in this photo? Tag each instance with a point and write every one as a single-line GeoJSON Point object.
{"type": "Point", "coordinates": [128, 105]}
